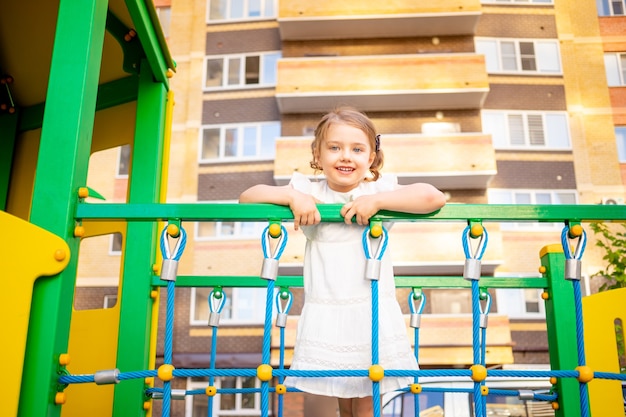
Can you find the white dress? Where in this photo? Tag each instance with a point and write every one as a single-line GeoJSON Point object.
{"type": "Point", "coordinates": [334, 330]}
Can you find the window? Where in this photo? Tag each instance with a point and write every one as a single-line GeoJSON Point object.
{"type": "Point", "coordinates": [519, 196]}
{"type": "Point", "coordinates": [615, 66]}
{"type": "Point", "coordinates": [243, 306]}
{"type": "Point", "coordinates": [225, 143]}
{"type": "Point", "coordinates": [235, 405]}
{"type": "Point", "coordinates": [164, 13]}
{"type": "Point", "coordinates": [620, 136]}
{"type": "Point", "coordinates": [610, 7]}
{"type": "Point", "coordinates": [520, 56]}
{"type": "Point", "coordinates": [521, 302]}
{"type": "Point", "coordinates": [219, 11]}
{"type": "Point", "coordinates": [518, 1]}
{"type": "Point", "coordinates": [241, 71]}
{"type": "Point", "coordinates": [123, 161]}
{"type": "Point", "coordinates": [527, 130]}
{"type": "Point", "coordinates": [115, 247]}
{"type": "Point", "coordinates": [229, 230]}
{"type": "Point", "coordinates": [110, 301]}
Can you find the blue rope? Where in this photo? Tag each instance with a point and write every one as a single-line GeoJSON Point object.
{"type": "Point", "coordinates": [169, 317]}
{"type": "Point", "coordinates": [479, 400]}
{"type": "Point", "coordinates": [281, 244]}
{"type": "Point", "coordinates": [580, 342]}
{"type": "Point", "coordinates": [178, 249]}
{"type": "Point", "coordinates": [375, 312]}
{"type": "Point", "coordinates": [168, 345]}
{"type": "Point", "coordinates": [482, 244]}
{"type": "Point", "coordinates": [268, 309]}
{"type": "Point", "coordinates": [366, 244]}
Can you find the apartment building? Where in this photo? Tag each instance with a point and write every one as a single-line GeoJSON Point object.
{"type": "Point", "coordinates": [492, 101]}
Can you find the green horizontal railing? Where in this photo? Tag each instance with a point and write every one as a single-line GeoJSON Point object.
{"type": "Point", "coordinates": [330, 212]}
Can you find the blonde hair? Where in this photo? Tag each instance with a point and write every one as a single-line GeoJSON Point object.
{"type": "Point", "coordinates": [354, 118]}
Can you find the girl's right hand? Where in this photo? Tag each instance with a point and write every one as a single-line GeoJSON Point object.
{"type": "Point", "coordinates": [304, 209]}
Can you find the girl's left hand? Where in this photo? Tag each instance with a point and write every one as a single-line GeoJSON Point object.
{"type": "Point", "coordinates": [362, 209]}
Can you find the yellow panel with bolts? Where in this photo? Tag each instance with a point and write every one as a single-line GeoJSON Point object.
{"type": "Point", "coordinates": [29, 252]}
{"type": "Point", "coordinates": [600, 312]}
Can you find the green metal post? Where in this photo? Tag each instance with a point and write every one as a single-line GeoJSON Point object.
{"type": "Point", "coordinates": [8, 133]}
{"type": "Point", "coordinates": [61, 168]}
{"type": "Point", "coordinates": [561, 325]}
{"type": "Point", "coordinates": [144, 187]}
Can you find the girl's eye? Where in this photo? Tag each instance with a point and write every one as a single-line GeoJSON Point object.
{"type": "Point", "coordinates": [357, 150]}
{"type": "Point", "coordinates": [334, 148]}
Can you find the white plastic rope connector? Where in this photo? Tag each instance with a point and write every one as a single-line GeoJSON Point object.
{"type": "Point", "coordinates": [284, 299]}
{"type": "Point", "coordinates": [269, 270]}
{"type": "Point", "coordinates": [573, 264]}
{"type": "Point", "coordinates": [169, 267]}
{"type": "Point", "coordinates": [373, 264]}
{"type": "Point", "coordinates": [472, 267]}
{"type": "Point", "coordinates": [217, 300]}
{"type": "Point", "coordinates": [416, 313]}
{"type": "Point", "coordinates": [485, 311]}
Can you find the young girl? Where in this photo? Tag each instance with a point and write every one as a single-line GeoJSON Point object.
{"type": "Point", "coordinates": [334, 331]}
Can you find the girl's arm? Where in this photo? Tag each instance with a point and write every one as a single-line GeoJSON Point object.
{"type": "Point", "coordinates": [303, 206]}
{"type": "Point", "coordinates": [418, 198]}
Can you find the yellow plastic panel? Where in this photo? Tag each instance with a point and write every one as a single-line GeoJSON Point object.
{"type": "Point", "coordinates": [29, 252]}
{"type": "Point", "coordinates": [599, 314]}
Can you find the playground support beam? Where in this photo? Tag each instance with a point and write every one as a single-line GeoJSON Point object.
{"type": "Point", "coordinates": [145, 186]}
{"type": "Point", "coordinates": [62, 167]}
{"type": "Point", "coordinates": [561, 325]}
{"type": "Point", "coordinates": [8, 133]}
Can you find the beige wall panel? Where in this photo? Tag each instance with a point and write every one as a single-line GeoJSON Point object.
{"type": "Point", "coordinates": [404, 153]}
{"type": "Point", "coordinates": [307, 8]}
{"type": "Point", "coordinates": [379, 73]}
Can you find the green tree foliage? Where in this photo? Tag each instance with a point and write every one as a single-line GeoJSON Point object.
{"type": "Point", "coordinates": [613, 243]}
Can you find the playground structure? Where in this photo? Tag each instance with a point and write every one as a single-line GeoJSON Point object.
{"type": "Point", "coordinates": [103, 82]}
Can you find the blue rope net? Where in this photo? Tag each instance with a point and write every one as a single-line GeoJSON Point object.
{"type": "Point", "coordinates": [283, 300]}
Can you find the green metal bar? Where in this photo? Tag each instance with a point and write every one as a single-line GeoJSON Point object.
{"type": "Point", "coordinates": [8, 133]}
{"type": "Point", "coordinates": [133, 54]}
{"type": "Point", "coordinates": [561, 326]}
{"type": "Point", "coordinates": [62, 165]}
{"type": "Point", "coordinates": [136, 306]}
{"type": "Point", "coordinates": [401, 281]}
{"type": "Point", "coordinates": [151, 36]}
{"type": "Point", "coordinates": [330, 212]}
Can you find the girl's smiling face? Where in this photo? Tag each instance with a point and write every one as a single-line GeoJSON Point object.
{"type": "Point", "coordinates": [345, 156]}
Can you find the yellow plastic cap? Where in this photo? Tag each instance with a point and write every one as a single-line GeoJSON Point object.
{"type": "Point", "coordinates": [477, 230]}
{"type": "Point", "coordinates": [275, 230]}
{"type": "Point", "coordinates": [376, 230]}
{"type": "Point", "coordinates": [64, 359]}
{"type": "Point", "coordinates": [376, 373]}
{"type": "Point", "coordinates": [173, 230]}
{"type": "Point", "coordinates": [479, 373]}
{"type": "Point", "coordinates": [166, 372]}
{"type": "Point", "coordinates": [585, 374]}
{"type": "Point", "coordinates": [264, 372]}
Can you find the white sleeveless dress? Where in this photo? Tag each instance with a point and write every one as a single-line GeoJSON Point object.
{"type": "Point", "coordinates": [334, 330]}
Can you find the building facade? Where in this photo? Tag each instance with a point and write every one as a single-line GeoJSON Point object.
{"type": "Point", "coordinates": [492, 101]}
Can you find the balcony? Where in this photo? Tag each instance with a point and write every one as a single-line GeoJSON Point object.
{"type": "Point", "coordinates": [453, 161]}
{"type": "Point", "coordinates": [351, 19]}
{"type": "Point", "coordinates": [382, 83]}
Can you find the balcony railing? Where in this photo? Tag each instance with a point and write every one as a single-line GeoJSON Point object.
{"type": "Point", "coordinates": [307, 20]}
{"type": "Point", "coordinates": [459, 161]}
{"type": "Point", "coordinates": [382, 83]}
